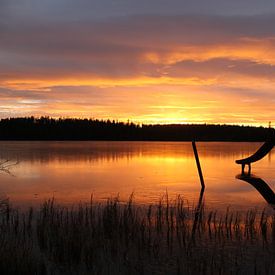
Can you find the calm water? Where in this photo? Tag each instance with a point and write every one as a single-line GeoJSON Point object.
{"type": "Point", "coordinates": [72, 171]}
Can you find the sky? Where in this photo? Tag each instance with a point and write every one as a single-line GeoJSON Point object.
{"type": "Point", "coordinates": [147, 61]}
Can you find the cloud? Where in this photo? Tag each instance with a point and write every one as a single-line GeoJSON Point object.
{"type": "Point", "coordinates": [157, 104]}
{"type": "Point", "coordinates": [186, 68]}
{"type": "Point", "coordinates": [221, 68]}
{"type": "Point", "coordinates": [135, 47]}
{"type": "Point", "coordinates": [71, 10]}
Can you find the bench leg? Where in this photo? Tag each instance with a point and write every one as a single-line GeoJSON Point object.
{"type": "Point", "coordinates": [249, 168]}
{"type": "Point", "coordinates": [243, 165]}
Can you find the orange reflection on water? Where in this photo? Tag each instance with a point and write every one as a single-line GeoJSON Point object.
{"type": "Point", "coordinates": [72, 171]}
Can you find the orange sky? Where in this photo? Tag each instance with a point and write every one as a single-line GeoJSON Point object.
{"type": "Point", "coordinates": [150, 69]}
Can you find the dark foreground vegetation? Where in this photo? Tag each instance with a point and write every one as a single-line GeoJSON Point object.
{"type": "Point", "coordinates": [46, 128]}
{"type": "Point", "coordinates": [124, 238]}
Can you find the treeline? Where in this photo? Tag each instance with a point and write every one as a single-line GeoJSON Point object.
{"type": "Point", "coordinates": [45, 128]}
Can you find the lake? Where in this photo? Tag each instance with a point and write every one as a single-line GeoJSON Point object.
{"type": "Point", "coordinates": [72, 171]}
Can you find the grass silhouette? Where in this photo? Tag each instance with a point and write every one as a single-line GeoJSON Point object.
{"type": "Point", "coordinates": [126, 238]}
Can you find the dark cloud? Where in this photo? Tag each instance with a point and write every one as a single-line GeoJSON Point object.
{"type": "Point", "coordinates": [138, 31]}
{"type": "Point", "coordinates": [120, 47]}
{"type": "Point", "coordinates": [221, 67]}
{"type": "Point", "coordinates": [71, 10]}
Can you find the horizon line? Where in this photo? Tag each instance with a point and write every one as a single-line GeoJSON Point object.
{"type": "Point", "coordinates": [138, 123]}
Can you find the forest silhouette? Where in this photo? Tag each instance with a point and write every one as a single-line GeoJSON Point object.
{"type": "Point", "coordinates": [46, 128]}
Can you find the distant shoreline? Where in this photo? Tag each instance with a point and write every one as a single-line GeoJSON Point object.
{"type": "Point", "coordinates": [49, 129]}
{"type": "Point", "coordinates": [124, 140]}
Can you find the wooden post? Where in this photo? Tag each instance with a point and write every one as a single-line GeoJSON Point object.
{"type": "Point", "coordinates": [198, 163]}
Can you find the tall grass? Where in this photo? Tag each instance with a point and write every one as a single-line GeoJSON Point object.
{"type": "Point", "coordinates": [125, 238]}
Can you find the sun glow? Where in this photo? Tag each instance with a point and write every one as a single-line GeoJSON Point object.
{"type": "Point", "coordinates": [211, 73]}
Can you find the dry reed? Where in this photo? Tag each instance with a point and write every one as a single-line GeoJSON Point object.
{"type": "Point", "coordinates": [127, 238]}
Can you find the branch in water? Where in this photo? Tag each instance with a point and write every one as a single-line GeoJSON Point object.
{"type": "Point", "coordinates": [6, 164]}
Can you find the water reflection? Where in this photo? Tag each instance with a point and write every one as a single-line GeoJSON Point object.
{"type": "Point", "coordinates": [261, 186]}
{"type": "Point", "coordinates": [67, 151]}
{"type": "Point", "coordinates": [198, 212]}
{"type": "Point", "coordinates": [72, 171]}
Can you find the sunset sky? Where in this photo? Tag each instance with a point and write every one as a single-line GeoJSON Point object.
{"type": "Point", "coordinates": [149, 61]}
